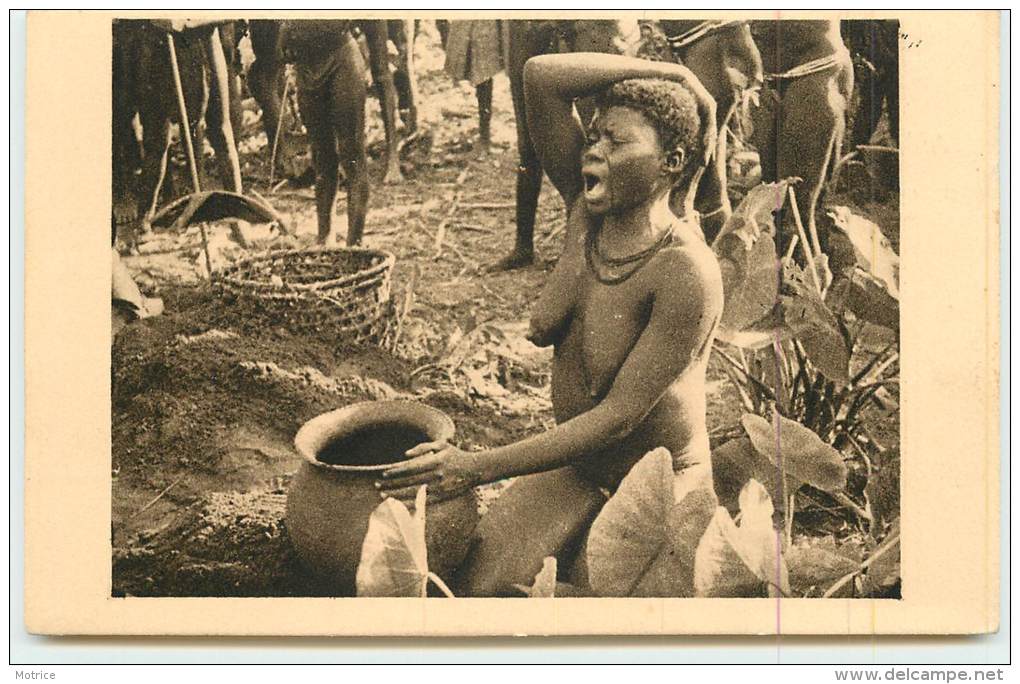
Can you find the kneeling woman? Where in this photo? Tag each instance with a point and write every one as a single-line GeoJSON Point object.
{"type": "Point", "coordinates": [630, 309]}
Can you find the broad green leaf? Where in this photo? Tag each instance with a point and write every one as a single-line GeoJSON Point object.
{"type": "Point", "coordinates": [744, 560]}
{"type": "Point", "coordinates": [873, 251]}
{"type": "Point", "coordinates": [871, 301]}
{"type": "Point", "coordinates": [797, 451]}
{"type": "Point", "coordinates": [884, 570]}
{"type": "Point", "coordinates": [813, 569]}
{"type": "Point", "coordinates": [758, 537]}
{"type": "Point", "coordinates": [643, 542]}
{"type": "Point", "coordinates": [394, 559]}
{"type": "Point", "coordinates": [751, 340]}
{"type": "Point", "coordinates": [755, 214]}
{"type": "Point", "coordinates": [763, 333]}
{"type": "Point", "coordinates": [719, 571]}
{"type": "Point", "coordinates": [544, 585]}
{"type": "Point", "coordinates": [734, 464]}
{"type": "Point", "coordinates": [883, 488]}
{"type": "Point", "coordinates": [746, 250]}
{"type": "Point", "coordinates": [811, 321]}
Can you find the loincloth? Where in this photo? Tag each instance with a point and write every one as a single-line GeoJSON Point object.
{"type": "Point", "coordinates": [839, 58]}
{"type": "Point", "coordinates": [476, 50]}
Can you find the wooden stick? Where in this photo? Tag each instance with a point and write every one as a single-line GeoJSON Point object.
{"type": "Point", "coordinates": [186, 137]}
{"type": "Point", "coordinates": [553, 232]}
{"type": "Point", "coordinates": [489, 205]}
{"type": "Point", "coordinates": [852, 505]}
{"type": "Point", "coordinates": [277, 216]}
{"type": "Point", "coordinates": [454, 205]}
{"type": "Point", "coordinates": [406, 305]}
{"type": "Point", "coordinates": [790, 510]}
{"type": "Point", "coordinates": [214, 49]}
{"type": "Point", "coordinates": [804, 242]}
{"type": "Point", "coordinates": [159, 496]}
{"type": "Point", "coordinates": [220, 79]}
{"type": "Point", "coordinates": [793, 245]}
{"type": "Point", "coordinates": [473, 227]}
{"type": "Point", "coordinates": [879, 552]}
{"type": "Point", "coordinates": [811, 224]}
{"type": "Point", "coordinates": [279, 127]}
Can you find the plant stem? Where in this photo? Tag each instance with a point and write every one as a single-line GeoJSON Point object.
{"type": "Point", "coordinates": [744, 396]}
{"type": "Point", "coordinates": [440, 583]}
{"type": "Point", "coordinates": [852, 505]}
{"type": "Point", "coordinates": [879, 552]}
{"type": "Point", "coordinates": [804, 242]}
{"type": "Point", "coordinates": [793, 246]}
{"type": "Point", "coordinates": [746, 373]}
{"type": "Point", "coordinates": [276, 134]}
{"type": "Point", "coordinates": [789, 518]}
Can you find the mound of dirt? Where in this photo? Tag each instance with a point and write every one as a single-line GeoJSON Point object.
{"type": "Point", "coordinates": [182, 381]}
{"type": "Point", "coordinates": [225, 544]}
{"type": "Point", "coordinates": [206, 400]}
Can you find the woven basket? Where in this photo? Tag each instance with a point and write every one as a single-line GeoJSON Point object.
{"type": "Point", "coordinates": [344, 290]}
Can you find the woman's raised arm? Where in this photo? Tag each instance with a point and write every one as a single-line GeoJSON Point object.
{"type": "Point", "coordinates": [553, 82]}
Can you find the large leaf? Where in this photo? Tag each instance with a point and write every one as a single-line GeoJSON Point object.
{"type": "Point", "coordinates": [870, 301]}
{"type": "Point", "coordinates": [544, 585]}
{"type": "Point", "coordinates": [883, 488]}
{"type": "Point", "coordinates": [884, 564]}
{"type": "Point", "coordinates": [873, 251]}
{"type": "Point", "coordinates": [811, 321]}
{"type": "Point", "coordinates": [394, 559]}
{"type": "Point", "coordinates": [797, 451]}
{"type": "Point", "coordinates": [762, 333]}
{"type": "Point", "coordinates": [643, 542]}
{"type": "Point", "coordinates": [744, 560]}
{"type": "Point", "coordinates": [746, 250]}
{"type": "Point", "coordinates": [734, 464]}
{"type": "Point", "coordinates": [813, 569]}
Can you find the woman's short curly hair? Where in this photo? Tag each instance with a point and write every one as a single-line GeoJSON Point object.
{"type": "Point", "coordinates": [669, 106]}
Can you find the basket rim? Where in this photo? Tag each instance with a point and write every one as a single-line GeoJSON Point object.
{"type": "Point", "coordinates": [224, 274]}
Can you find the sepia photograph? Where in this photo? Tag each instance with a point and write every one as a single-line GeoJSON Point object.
{"type": "Point", "coordinates": [505, 308]}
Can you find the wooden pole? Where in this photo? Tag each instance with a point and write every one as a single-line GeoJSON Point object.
{"type": "Point", "coordinates": [220, 80]}
{"type": "Point", "coordinates": [189, 149]}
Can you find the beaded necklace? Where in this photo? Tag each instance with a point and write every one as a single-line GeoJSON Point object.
{"type": "Point", "coordinates": [592, 252]}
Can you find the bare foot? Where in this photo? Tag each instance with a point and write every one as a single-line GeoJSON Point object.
{"type": "Point", "coordinates": [518, 258]}
{"type": "Point", "coordinates": [393, 173]}
{"type": "Point", "coordinates": [125, 210]}
{"type": "Point", "coordinates": [484, 149]}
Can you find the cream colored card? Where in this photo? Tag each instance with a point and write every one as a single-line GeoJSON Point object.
{"type": "Point", "coordinates": [949, 249]}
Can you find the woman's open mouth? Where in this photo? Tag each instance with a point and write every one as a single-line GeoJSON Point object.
{"type": "Point", "coordinates": [594, 188]}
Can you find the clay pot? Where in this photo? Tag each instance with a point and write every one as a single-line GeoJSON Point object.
{"type": "Point", "coordinates": [333, 493]}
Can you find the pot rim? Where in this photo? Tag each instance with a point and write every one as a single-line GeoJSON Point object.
{"type": "Point", "coordinates": [308, 440]}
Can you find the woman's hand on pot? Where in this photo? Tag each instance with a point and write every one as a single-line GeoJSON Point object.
{"type": "Point", "coordinates": [446, 470]}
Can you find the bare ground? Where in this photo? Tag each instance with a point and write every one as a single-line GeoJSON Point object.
{"type": "Point", "coordinates": [207, 397]}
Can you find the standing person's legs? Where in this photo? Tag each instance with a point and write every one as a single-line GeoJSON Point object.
{"type": "Point", "coordinates": [126, 158]}
{"type": "Point", "coordinates": [812, 128]}
{"type": "Point", "coordinates": [348, 121]}
{"type": "Point", "coordinates": [379, 62]}
{"type": "Point", "coordinates": [483, 92]}
{"type": "Point", "coordinates": [527, 39]}
{"type": "Point", "coordinates": [443, 26]}
{"type": "Point", "coordinates": [266, 75]}
{"type": "Point", "coordinates": [316, 110]}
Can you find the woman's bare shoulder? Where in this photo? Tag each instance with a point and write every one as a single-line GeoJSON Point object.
{"type": "Point", "coordinates": [690, 268]}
